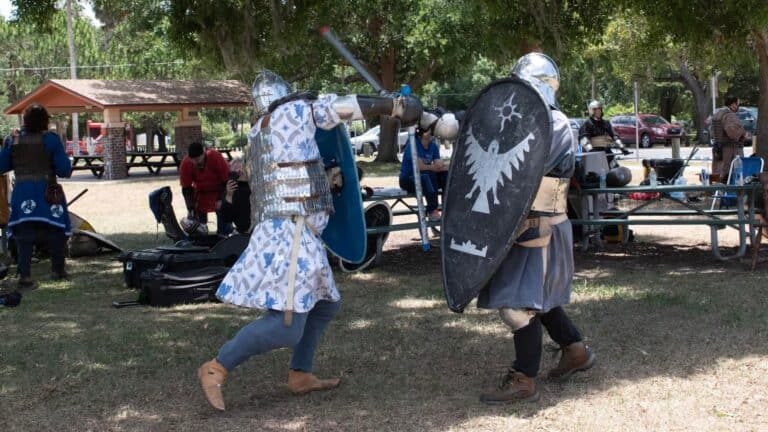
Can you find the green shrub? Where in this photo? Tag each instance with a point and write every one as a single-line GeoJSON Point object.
{"type": "Point", "coordinates": [213, 131]}
{"type": "Point", "coordinates": [233, 141]}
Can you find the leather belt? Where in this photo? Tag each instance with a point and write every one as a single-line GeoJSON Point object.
{"type": "Point", "coordinates": [552, 196]}
{"type": "Point", "coordinates": [601, 141]}
{"type": "Point", "coordinates": [31, 177]}
{"type": "Point", "coordinates": [301, 199]}
{"type": "Point", "coordinates": [297, 164]}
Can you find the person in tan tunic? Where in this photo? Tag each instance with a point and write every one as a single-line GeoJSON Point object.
{"type": "Point", "coordinates": [729, 135]}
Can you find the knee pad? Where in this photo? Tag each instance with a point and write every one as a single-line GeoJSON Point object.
{"type": "Point", "coordinates": [516, 319]}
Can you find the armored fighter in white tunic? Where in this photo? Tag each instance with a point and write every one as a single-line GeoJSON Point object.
{"type": "Point", "coordinates": [284, 270]}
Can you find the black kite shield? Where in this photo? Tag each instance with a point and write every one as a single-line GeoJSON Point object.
{"type": "Point", "coordinates": [495, 171]}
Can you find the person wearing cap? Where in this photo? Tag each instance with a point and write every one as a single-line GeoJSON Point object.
{"type": "Point", "coordinates": [203, 175]}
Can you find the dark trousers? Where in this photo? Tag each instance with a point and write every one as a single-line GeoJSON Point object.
{"type": "Point", "coordinates": [26, 234]}
{"type": "Point", "coordinates": [528, 339]}
{"type": "Point", "coordinates": [431, 185]}
{"type": "Point", "coordinates": [222, 228]}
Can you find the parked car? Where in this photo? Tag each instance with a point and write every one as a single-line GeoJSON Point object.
{"type": "Point", "coordinates": [97, 147]}
{"type": "Point", "coordinates": [368, 142]}
{"type": "Point", "coordinates": [576, 123]}
{"type": "Point", "coordinates": [747, 116]}
{"type": "Point", "coordinates": [653, 129]}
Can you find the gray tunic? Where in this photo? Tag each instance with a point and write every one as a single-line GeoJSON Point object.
{"type": "Point", "coordinates": [520, 282]}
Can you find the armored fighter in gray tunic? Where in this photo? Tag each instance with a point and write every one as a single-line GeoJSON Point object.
{"type": "Point", "coordinates": [534, 281]}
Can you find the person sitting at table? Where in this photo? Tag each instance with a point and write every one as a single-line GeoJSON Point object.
{"type": "Point", "coordinates": [203, 175]}
{"type": "Point", "coordinates": [236, 205]}
{"type": "Point", "coordinates": [434, 173]}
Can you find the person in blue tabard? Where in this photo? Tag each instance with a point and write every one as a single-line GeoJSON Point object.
{"type": "Point", "coordinates": [37, 157]}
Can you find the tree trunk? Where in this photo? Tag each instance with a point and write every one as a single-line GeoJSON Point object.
{"type": "Point", "coordinates": [388, 69]}
{"type": "Point", "coordinates": [699, 92]}
{"type": "Point", "coordinates": [149, 130]}
{"type": "Point", "coordinates": [390, 127]}
{"type": "Point", "coordinates": [761, 46]}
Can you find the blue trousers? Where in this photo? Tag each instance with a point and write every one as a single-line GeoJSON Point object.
{"type": "Point", "coordinates": [270, 332]}
{"type": "Point", "coordinates": [431, 184]}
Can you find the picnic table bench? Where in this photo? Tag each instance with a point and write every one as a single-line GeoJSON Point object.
{"type": "Point", "coordinates": [396, 199]}
{"type": "Point", "coordinates": [226, 152]}
{"type": "Point", "coordinates": [741, 216]}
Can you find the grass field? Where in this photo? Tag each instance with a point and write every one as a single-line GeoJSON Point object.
{"type": "Point", "coordinates": [681, 340]}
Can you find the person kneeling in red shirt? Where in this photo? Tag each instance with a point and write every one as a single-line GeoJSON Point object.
{"type": "Point", "coordinates": [203, 175]}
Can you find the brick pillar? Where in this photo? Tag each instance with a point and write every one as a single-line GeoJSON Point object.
{"type": "Point", "coordinates": [114, 152]}
{"type": "Point", "coordinates": [186, 135]}
{"type": "Point", "coordinates": [188, 129]}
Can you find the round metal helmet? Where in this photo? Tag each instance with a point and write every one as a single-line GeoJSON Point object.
{"type": "Point", "coordinates": [267, 88]}
{"type": "Point", "coordinates": [592, 106]}
{"type": "Point", "coordinates": [447, 127]}
{"type": "Point", "coordinates": [542, 72]}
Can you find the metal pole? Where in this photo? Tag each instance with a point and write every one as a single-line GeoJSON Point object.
{"type": "Point", "coordinates": [73, 75]}
{"type": "Point", "coordinates": [637, 122]}
{"type": "Point", "coordinates": [417, 185]}
{"type": "Point", "coordinates": [713, 85]}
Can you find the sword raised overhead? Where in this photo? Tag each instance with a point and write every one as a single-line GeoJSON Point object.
{"type": "Point", "coordinates": [336, 43]}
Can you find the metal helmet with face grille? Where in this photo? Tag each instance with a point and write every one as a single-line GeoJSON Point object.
{"type": "Point", "coordinates": [593, 106]}
{"type": "Point", "coordinates": [267, 88]}
{"type": "Point", "coordinates": [541, 72]}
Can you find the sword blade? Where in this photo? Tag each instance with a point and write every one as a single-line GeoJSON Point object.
{"type": "Point", "coordinates": [342, 49]}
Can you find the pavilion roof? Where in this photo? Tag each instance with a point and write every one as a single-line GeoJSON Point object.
{"type": "Point", "coordinates": [84, 95]}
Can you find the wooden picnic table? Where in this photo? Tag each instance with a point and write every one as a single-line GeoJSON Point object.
{"type": "Point", "coordinates": [153, 161]}
{"type": "Point", "coordinates": [94, 163]}
{"type": "Point", "coordinates": [742, 216]}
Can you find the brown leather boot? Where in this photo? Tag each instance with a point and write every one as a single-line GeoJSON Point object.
{"type": "Point", "coordinates": [300, 383]}
{"type": "Point", "coordinates": [514, 387]}
{"type": "Point", "coordinates": [576, 357]}
{"type": "Point", "coordinates": [212, 375]}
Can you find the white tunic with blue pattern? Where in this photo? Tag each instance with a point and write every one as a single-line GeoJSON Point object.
{"type": "Point", "coordinates": [259, 278]}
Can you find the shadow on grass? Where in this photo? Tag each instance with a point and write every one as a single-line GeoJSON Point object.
{"type": "Point", "coordinates": [379, 169]}
{"type": "Point", "coordinates": [70, 362]}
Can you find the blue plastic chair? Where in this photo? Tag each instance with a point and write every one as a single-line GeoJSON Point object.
{"type": "Point", "coordinates": [751, 166]}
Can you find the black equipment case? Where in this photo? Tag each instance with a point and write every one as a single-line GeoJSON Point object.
{"type": "Point", "coordinates": [172, 288]}
{"type": "Point", "coordinates": [166, 259]}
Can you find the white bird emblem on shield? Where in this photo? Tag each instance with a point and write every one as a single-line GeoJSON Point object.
{"type": "Point", "coordinates": [487, 167]}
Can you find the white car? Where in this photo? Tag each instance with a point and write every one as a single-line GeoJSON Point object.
{"type": "Point", "coordinates": [368, 142]}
